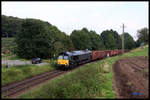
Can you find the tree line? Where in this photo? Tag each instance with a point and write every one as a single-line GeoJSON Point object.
{"type": "Point", "coordinates": [37, 38]}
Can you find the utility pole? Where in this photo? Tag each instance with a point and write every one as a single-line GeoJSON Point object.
{"type": "Point", "coordinates": [123, 38]}
{"type": "Point", "coordinates": [7, 51]}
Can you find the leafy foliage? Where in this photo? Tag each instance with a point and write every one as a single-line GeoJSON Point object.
{"type": "Point", "coordinates": [10, 25]}
{"type": "Point", "coordinates": [34, 40]}
{"type": "Point", "coordinates": [84, 39]}
{"type": "Point", "coordinates": [41, 39]}
{"type": "Point", "coordinates": [80, 39]}
{"type": "Point", "coordinates": [96, 40]}
{"type": "Point", "coordinates": [128, 41]}
{"type": "Point", "coordinates": [111, 39]}
{"type": "Point", "coordinates": [142, 35]}
{"type": "Point", "coordinates": [37, 38]}
{"type": "Point", "coordinates": [7, 44]}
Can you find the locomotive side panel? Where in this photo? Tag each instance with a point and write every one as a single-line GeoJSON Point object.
{"type": "Point", "coordinates": [82, 58]}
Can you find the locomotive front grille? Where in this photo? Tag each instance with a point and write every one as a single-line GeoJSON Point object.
{"type": "Point", "coordinates": [63, 62]}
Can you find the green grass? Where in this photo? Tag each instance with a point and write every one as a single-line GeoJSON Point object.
{"type": "Point", "coordinates": [89, 81]}
{"type": "Point", "coordinates": [20, 72]}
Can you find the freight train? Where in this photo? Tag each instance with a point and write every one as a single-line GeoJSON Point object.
{"type": "Point", "coordinates": [68, 60]}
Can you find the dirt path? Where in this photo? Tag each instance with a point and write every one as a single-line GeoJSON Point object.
{"type": "Point", "coordinates": [131, 77]}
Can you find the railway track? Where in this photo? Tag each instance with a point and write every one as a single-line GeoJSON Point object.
{"type": "Point", "coordinates": [12, 89]}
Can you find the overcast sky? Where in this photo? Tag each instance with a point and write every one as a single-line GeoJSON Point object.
{"type": "Point", "coordinates": [97, 16]}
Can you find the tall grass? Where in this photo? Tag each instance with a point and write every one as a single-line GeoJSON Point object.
{"type": "Point", "coordinates": [20, 72]}
{"type": "Point", "coordinates": [90, 81]}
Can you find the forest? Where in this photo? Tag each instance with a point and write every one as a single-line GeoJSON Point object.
{"type": "Point", "coordinates": [38, 38]}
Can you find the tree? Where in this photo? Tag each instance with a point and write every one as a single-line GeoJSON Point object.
{"type": "Point", "coordinates": [138, 42]}
{"type": "Point", "coordinates": [117, 38]}
{"type": "Point", "coordinates": [81, 39]}
{"type": "Point", "coordinates": [110, 39]}
{"type": "Point", "coordinates": [67, 42]}
{"type": "Point", "coordinates": [64, 42]}
{"type": "Point", "coordinates": [143, 36]}
{"type": "Point", "coordinates": [110, 44]}
{"type": "Point", "coordinates": [96, 41]}
{"type": "Point", "coordinates": [128, 41]}
{"type": "Point", "coordinates": [84, 39]}
{"type": "Point", "coordinates": [34, 40]}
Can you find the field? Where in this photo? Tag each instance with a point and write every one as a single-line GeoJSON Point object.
{"type": "Point", "coordinates": [131, 76]}
{"type": "Point", "coordinates": [94, 80]}
{"type": "Point", "coordinates": [20, 72]}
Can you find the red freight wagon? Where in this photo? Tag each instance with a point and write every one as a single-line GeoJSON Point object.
{"type": "Point", "coordinates": [119, 52]}
{"type": "Point", "coordinates": [126, 50]}
{"type": "Point", "coordinates": [114, 52]}
{"type": "Point", "coordinates": [98, 55]}
{"type": "Point", "coordinates": [108, 53]}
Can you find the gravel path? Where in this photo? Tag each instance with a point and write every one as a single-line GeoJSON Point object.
{"type": "Point", "coordinates": [18, 62]}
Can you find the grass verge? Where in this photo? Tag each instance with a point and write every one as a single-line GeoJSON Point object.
{"type": "Point", "coordinates": [20, 72]}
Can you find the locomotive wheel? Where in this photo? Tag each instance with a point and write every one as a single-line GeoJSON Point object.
{"type": "Point", "coordinates": [63, 68]}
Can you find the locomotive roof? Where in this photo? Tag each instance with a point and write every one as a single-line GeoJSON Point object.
{"type": "Point", "coordinates": [80, 52]}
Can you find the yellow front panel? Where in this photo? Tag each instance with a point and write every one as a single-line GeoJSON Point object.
{"type": "Point", "coordinates": [63, 62]}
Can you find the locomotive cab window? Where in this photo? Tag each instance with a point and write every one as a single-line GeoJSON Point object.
{"type": "Point", "coordinates": [65, 57]}
{"type": "Point", "coordinates": [60, 57]}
